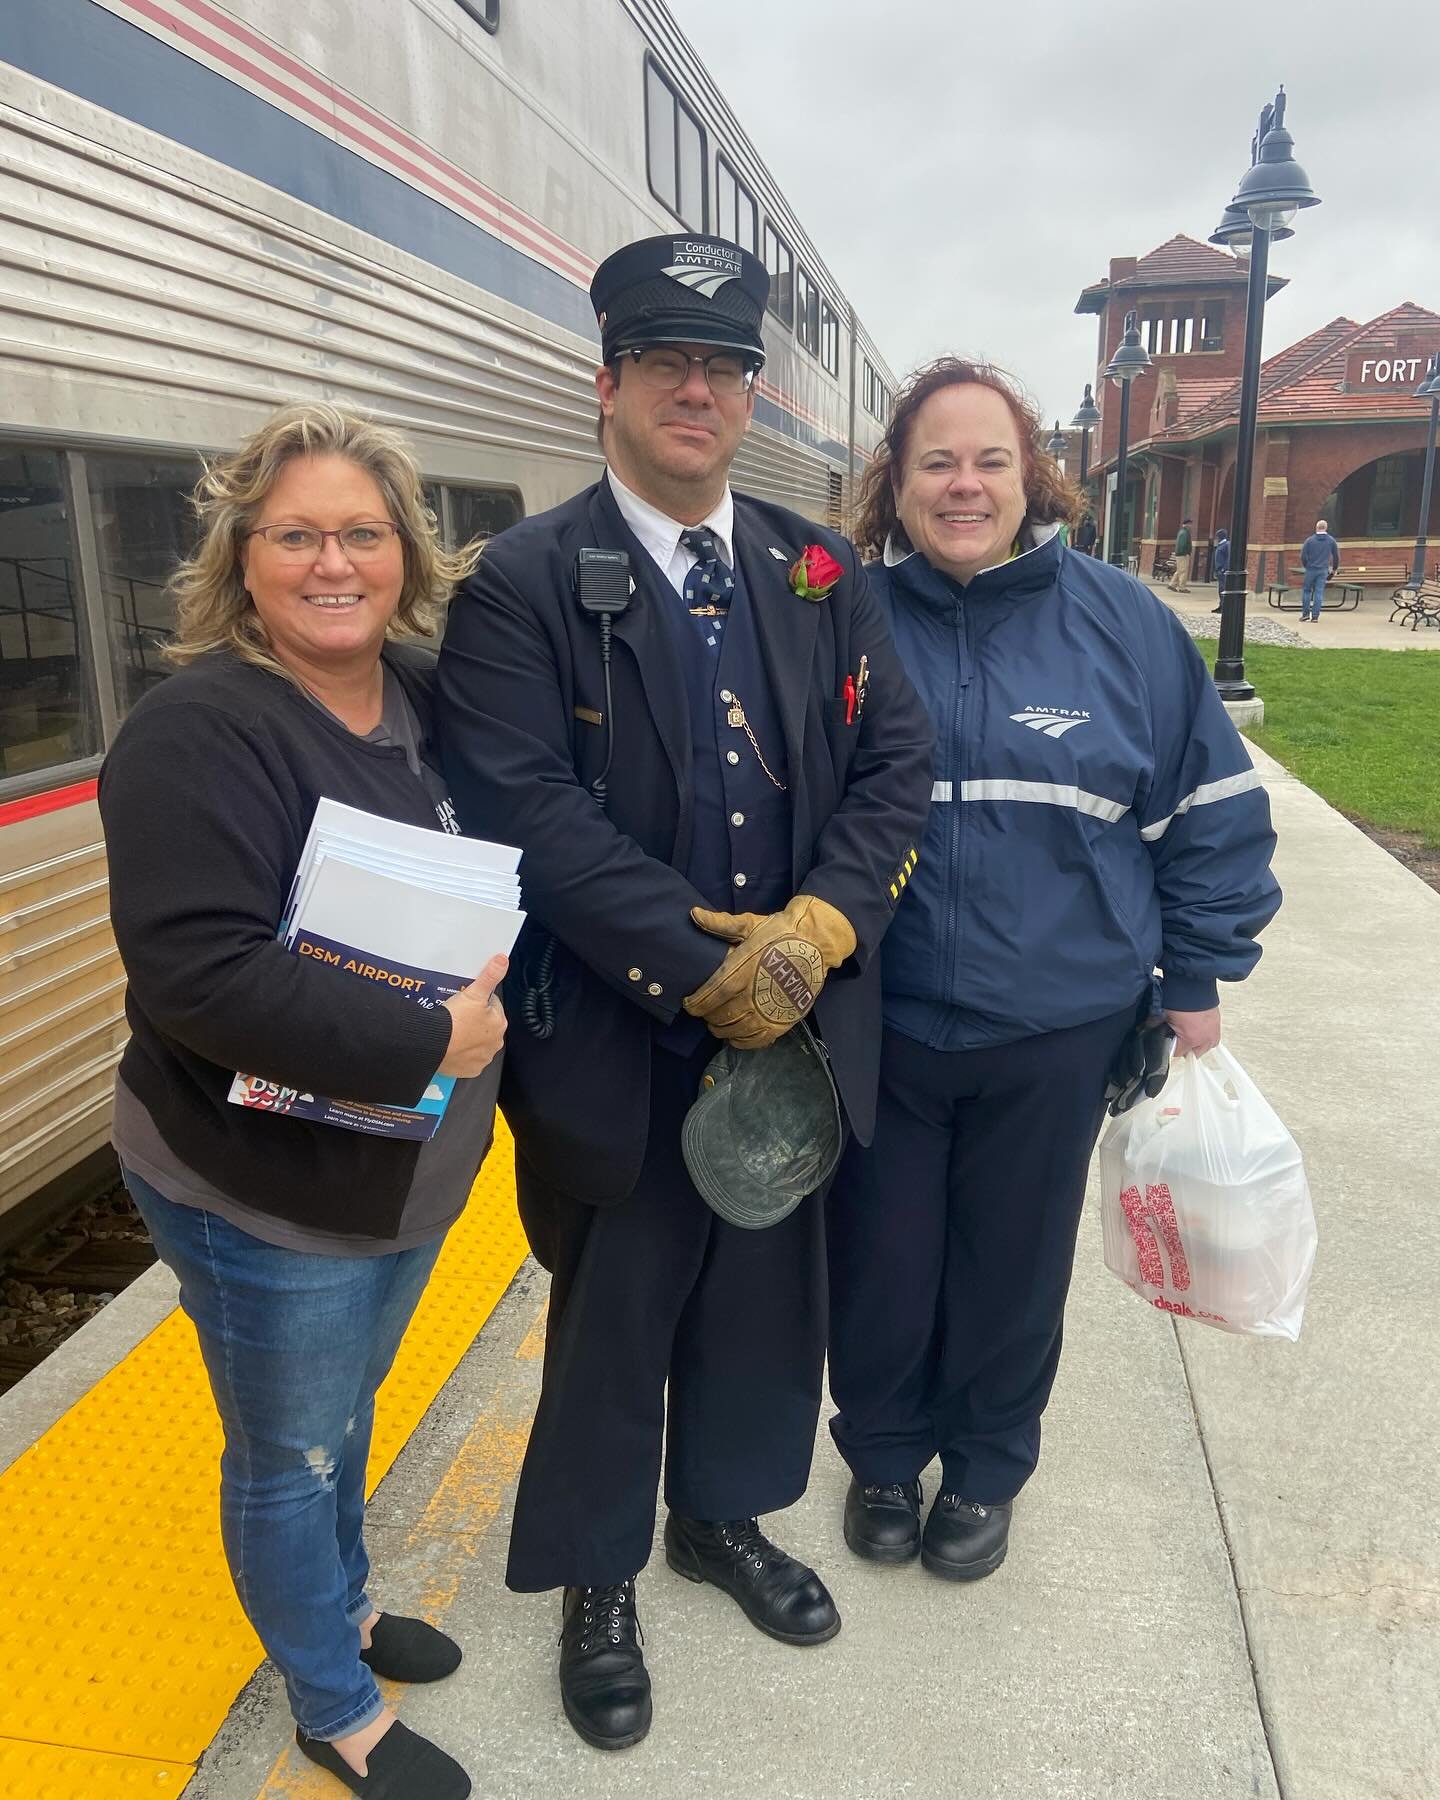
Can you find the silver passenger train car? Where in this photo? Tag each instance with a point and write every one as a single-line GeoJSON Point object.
{"type": "Point", "coordinates": [209, 209]}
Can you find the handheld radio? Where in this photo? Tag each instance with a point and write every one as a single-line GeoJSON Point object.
{"type": "Point", "coordinates": [603, 587]}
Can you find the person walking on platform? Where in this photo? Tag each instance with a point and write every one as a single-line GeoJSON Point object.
{"type": "Point", "coordinates": [301, 1248]}
{"type": "Point", "coordinates": [1319, 563]}
{"type": "Point", "coordinates": [1085, 535]}
{"type": "Point", "coordinates": [1095, 814]}
{"type": "Point", "coordinates": [1180, 581]}
{"type": "Point", "coordinates": [755, 743]}
{"type": "Point", "coordinates": [1220, 563]}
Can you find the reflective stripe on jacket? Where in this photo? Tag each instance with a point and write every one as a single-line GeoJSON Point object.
{"type": "Point", "coordinates": [1095, 813]}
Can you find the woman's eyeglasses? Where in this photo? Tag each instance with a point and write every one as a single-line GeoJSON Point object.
{"type": "Point", "coordinates": [726, 372]}
{"type": "Point", "coordinates": [357, 541]}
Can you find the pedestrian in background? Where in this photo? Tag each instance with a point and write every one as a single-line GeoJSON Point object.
{"type": "Point", "coordinates": [1220, 564]}
{"type": "Point", "coordinates": [1094, 814]}
{"type": "Point", "coordinates": [1319, 562]}
{"type": "Point", "coordinates": [1085, 535]}
{"type": "Point", "coordinates": [1180, 580]}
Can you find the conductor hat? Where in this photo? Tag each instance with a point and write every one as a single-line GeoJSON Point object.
{"type": "Point", "coordinates": [681, 290]}
{"type": "Point", "coordinates": [765, 1131]}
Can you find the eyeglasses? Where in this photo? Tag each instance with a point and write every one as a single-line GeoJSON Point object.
{"type": "Point", "coordinates": [357, 541]}
{"type": "Point", "coordinates": [726, 372]}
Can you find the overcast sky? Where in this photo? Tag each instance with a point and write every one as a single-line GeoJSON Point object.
{"type": "Point", "coordinates": [965, 169]}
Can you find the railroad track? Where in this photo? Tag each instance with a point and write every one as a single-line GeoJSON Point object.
{"type": "Point", "coordinates": [89, 1247]}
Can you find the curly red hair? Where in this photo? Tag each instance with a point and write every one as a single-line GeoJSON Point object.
{"type": "Point", "coordinates": [1049, 497]}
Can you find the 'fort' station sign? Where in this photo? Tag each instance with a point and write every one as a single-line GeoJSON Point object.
{"type": "Point", "coordinates": [1382, 371]}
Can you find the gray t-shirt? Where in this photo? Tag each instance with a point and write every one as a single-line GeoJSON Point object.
{"type": "Point", "coordinates": [447, 1163]}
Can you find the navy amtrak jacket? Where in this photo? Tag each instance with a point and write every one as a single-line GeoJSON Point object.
{"type": "Point", "coordinates": [1095, 814]}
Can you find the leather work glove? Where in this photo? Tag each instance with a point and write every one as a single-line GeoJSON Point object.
{"type": "Point", "coordinates": [1141, 1065]}
{"type": "Point", "coordinates": [771, 978]}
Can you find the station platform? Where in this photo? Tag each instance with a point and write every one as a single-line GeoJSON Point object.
{"type": "Point", "coordinates": [1223, 1581]}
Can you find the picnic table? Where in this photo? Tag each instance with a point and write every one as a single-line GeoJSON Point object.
{"type": "Point", "coordinates": [1351, 593]}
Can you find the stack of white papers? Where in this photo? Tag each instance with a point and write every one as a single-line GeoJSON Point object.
{"type": "Point", "coordinates": [417, 911]}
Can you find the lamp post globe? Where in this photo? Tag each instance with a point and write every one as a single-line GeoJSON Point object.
{"type": "Point", "coordinates": [1087, 417]}
{"type": "Point", "coordinates": [1272, 190]}
{"type": "Point", "coordinates": [1055, 443]}
{"type": "Point", "coordinates": [1429, 389]}
{"type": "Point", "coordinates": [1131, 358]}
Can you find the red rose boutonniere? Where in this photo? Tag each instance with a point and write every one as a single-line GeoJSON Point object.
{"type": "Point", "coordinates": [814, 574]}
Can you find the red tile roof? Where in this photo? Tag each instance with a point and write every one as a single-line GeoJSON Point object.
{"type": "Point", "coordinates": [1307, 381]}
{"type": "Point", "coordinates": [1182, 262]}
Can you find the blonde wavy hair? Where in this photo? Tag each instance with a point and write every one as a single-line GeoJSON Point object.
{"type": "Point", "coordinates": [215, 611]}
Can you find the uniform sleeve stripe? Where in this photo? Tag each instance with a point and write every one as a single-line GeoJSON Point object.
{"type": "Point", "coordinates": [1045, 793]}
{"type": "Point", "coordinates": [1204, 795]}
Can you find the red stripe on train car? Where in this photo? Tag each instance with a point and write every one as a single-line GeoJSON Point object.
{"type": "Point", "coordinates": [13, 811]}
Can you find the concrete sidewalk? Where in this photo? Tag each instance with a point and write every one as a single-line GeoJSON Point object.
{"type": "Point", "coordinates": [1368, 627]}
{"type": "Point", "coordinates": [1224, 1580]}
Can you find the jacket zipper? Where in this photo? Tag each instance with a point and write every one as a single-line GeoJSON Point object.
{"type": "Point", "coordinates": [954, 883]}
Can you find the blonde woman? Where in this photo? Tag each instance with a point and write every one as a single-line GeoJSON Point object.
{"type": "Point", "coordinates": [301, 1250]}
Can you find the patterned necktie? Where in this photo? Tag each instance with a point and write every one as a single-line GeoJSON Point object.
{"type": "Point", "coordinates": [709, 586]}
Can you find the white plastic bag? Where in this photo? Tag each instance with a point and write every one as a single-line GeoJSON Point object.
{"type": "Point", "coordinates": [1204, 1203]}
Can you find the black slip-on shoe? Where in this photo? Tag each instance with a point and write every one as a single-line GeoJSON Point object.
{"type": "Point", "coordinates": [776, 1593]}
{"type": "Point", "coordinates": [402, 1766]}
{"type": "Point", "coordinates": [964, 1539]}
{"type": "Point", "coordinates": [604, 1684]}
{"type": "Point", "coordinates": [410, 1650]}
{"type": "Point", "coordinates": [882, 1523]}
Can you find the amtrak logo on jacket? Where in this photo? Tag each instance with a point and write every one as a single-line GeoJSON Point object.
{"type": "Point", "coordinates": [1053, 721]}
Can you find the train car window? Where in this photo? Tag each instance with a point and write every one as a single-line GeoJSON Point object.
{"type": "Point", "coordinates": [485, 13]}
{"type": "Point", "coordinates": [780, 261]}
{"type": "Point", "coordinates": [829, 339]}
{"type": "Point", "coordinates": [47, 710]}
{"type": "Point", "coordinates": [674, 150]}
{"type": "Point", "coordinates": [807, 312]}
{"type": "Point", "coordinates": [737, 217]}
{"type": "Point", "coordinates": [144, 527]}
{"type": "Point", "coordinates": [481, 512]}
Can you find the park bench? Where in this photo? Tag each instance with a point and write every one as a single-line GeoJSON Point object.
{"type": "Point", "coordinates": [1420, 605]}
{"type": "Point", "coordinates": [1351, 592]}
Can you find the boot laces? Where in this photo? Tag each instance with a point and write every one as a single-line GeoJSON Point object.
{"type": "Point", "coordinates": [900, 1492]}
{"type": "Point", "coordinates": [607, 1614]}
{"type": "Point", "coordinates": [745, 1537]}
{"type": "Point", "coordinates": [954, 1502]}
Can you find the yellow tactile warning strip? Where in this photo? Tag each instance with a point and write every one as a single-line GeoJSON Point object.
{"type": "Point", "coordinates": [120, 1636]}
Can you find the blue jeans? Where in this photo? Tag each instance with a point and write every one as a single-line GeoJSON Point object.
{"type": "Point", "coordinates": [295, 1346]}
{"type": "Point", "coordinates": [1312, 593]}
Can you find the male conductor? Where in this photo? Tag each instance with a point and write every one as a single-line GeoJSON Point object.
{"type": "Point", "coordinates": [716, 824]}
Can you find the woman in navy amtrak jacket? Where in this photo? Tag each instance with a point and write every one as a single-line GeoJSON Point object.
{"type": "Point", "coordinates": [1095, 817]}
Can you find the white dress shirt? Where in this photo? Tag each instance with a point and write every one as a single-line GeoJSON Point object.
{"type": "Point", "coordinates": [660, 535]}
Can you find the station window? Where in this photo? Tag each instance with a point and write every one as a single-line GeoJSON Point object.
{"type": "Point", "coordinates": [47, 709]}
{"type": "Point", "coordinates": [779, 259]}
{"type": "Point", "coordinates": [829, 338]}
{"type": "Point", "coordinates": [807, 311]}
{"type": "Point", "coordinates": [1387, 497]}
{"type": "Point", "coordinates": [737, 217]}
{"type": "Point", "coordinates": [675, 150]}
{"type": "Point", "coordinates": [485, 13]}
{"type": "Point", "coordinates": [144, 528]}
{"type": "Point", "coordinates": [1212, 325]}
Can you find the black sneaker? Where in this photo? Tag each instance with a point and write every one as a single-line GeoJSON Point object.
{"type": "Point", "coordinates": [964, 1539]}
{"type": "Point", "coordinates": [604, 1684]}
{"type": "Point", "coordinates": [882, 1523]}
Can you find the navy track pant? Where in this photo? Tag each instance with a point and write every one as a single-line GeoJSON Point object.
{"type": "Point", "coordinates": [952, 1239]}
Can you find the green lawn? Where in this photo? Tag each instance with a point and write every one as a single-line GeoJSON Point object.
{"type": "Point", "coordinates": [1362, 727]}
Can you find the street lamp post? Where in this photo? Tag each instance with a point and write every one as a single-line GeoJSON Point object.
{"type": "Point", "coordinates": [1087, 417]}
{"type": "Point", "coordinates": [1055, 444]}
{"type": "Point", "coordinates": [1429, 389]}
{"type": "Point", "coordinates": [1130, 359]}
{"type": "Point", "coordinates": [1271, 191]}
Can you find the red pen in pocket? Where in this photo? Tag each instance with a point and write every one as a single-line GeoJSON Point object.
{"type": "Point", "coordinates": [849, 699]}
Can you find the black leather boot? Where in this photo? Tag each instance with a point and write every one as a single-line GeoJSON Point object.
{"type": "Point", "coordinates": [964, 1539]}
{"type": "Point", "coordinates": [779, 1595]}
{"type": "Point", "coordinates": [882, 1524]}
{"type": "Point", "coordinates": [604, 1684]}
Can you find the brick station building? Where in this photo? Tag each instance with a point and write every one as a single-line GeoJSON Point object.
{"type": "Point", "coordinates": [1340, 434]}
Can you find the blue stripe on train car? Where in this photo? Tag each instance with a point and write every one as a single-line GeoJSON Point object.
{"type": "Point", "coordinates": [83, 48]}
